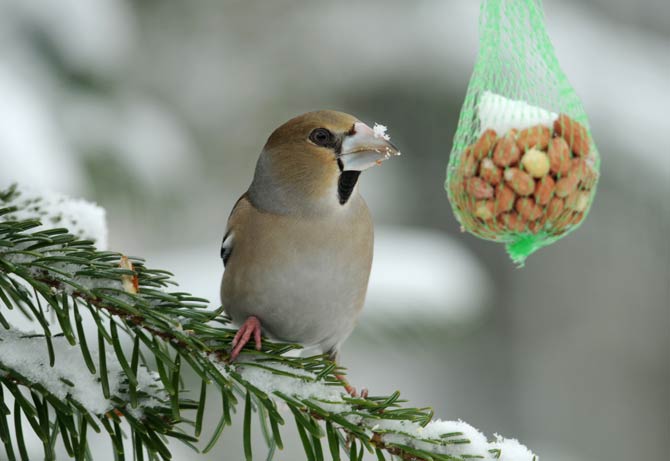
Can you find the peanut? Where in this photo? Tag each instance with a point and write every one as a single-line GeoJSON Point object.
{"type": "Point", "coordinates": [574, 133]}
{"type": "Point", "coordinates": [535, 162]}
{"type": "Point", "coordinates": [457, 189]}
{"type": "Point", "coordinates": [506, 152]}
{"type": "Point", "coordinates": [544, 190]}
{"type": "Point", "coordinates": [562, 222]}
{"type": "Point", "coordinates": [537, 136]}
{"type": "Point", "coordinates": [578, 201]}
{"type": "Point", "coordinates": [512, 221]}
{"type": "Point", "coordinates": [519, 181]}
{"type": "Point", "coordinates": [478, 188]}
{"type": "Point", "coordinates": [527, 208]}
{"type": "Point", "coordinates": [485, 231]}
{"type": "Point", "coordinates": [484, 144]}
{"type": "Point", "coordinates": [493, 226]}
{"type": "Point", "coordinates": [590, 179]}
{"type": "Point", "coordinates": [579, 168]}
{"type": "Point", "coordinates": [535, 226]}
{"type": "Point", "coordinates": [566, 185]}
{"type": "Point", "coordinates": [484, 209]}
{"type": "Point", "coordinates": [554, 209]}
{"type": "Point", "coordinates": [559, 156]}
{"type": "Point", "coordinates": [468, 165]}
{"type": "Point", "coordinates": [504, 199]}
{"type": "Point", "coordinates": [576, 218]}
{"type": "Point", "coordinates": [468, 222]}
{"type": "Point", "coordinates": [489, 172]}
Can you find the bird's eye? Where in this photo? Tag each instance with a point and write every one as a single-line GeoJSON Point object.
{"type": "Point", "coordinates": [321, 137]}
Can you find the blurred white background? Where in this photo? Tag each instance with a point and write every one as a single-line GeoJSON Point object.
{"type": "Point", "coordinates": [157, 111]}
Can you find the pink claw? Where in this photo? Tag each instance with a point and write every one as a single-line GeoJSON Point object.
{"type": "Point", "coordinates": [352, 390]}
{"type": "Point", "coordinates": [251, 326]}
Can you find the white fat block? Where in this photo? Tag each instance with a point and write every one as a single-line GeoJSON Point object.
{"type": "Point", "coordinates": [502, 114]}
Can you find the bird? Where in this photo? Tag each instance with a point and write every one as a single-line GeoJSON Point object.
{"type": "Point", "coordinates": [298, 245]}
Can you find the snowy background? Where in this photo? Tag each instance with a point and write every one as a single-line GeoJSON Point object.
{"type": "Point", "coordinates": [157, 111]}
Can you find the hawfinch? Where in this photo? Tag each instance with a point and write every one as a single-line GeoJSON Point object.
{"type": "Point", "coordinates": [297, 249]}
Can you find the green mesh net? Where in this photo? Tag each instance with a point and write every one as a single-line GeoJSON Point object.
{"type": "Point", "coordinates": [523, 169]}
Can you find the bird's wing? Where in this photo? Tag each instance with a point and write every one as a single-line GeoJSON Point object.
{"type": "Point", "coordinates": [234, 218]}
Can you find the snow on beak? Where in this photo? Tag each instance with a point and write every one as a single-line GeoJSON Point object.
{"type": "Point", "coordinates": [365, 147]}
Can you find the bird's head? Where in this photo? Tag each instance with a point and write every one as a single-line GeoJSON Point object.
{"type": "Point", "coordinates": [313, 161]}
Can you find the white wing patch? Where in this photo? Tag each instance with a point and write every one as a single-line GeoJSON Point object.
{"type": "Point", "coordinates": [226, 247]}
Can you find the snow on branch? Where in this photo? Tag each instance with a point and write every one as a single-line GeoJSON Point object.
{"type": "Point", "coordinates": [24, 357]}
{"type": "Point", "coordinates": [83, 219]}
{"type": "Point", "coordinates": [456, 439]}
{"type": "Point", "coordinates": [129, 380]}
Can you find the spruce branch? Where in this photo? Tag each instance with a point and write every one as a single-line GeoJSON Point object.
{"type": "Point", "coordinates": [112, 357]}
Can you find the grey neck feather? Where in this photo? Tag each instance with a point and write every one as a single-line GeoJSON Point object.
{"type": "Point", "coordinates": [283, 197]}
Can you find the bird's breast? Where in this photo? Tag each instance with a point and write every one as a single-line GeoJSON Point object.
{"type": "Point", "coordinates": [305, 279]}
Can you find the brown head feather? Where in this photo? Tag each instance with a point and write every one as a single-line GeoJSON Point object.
{"type": "Point", "coordinates": [293, 173]}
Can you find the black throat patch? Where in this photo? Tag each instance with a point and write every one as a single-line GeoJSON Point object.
{"type": "Point", "coordinates": [346, 184]}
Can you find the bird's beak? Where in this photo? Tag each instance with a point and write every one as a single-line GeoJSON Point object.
{"type": "Point", "coordinates": [365, 147]}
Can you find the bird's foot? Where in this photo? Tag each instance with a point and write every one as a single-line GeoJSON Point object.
{"type": "Point", "coordinates": [352, 390]}
{"type": "Point", "coordinates": [251, 326]}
